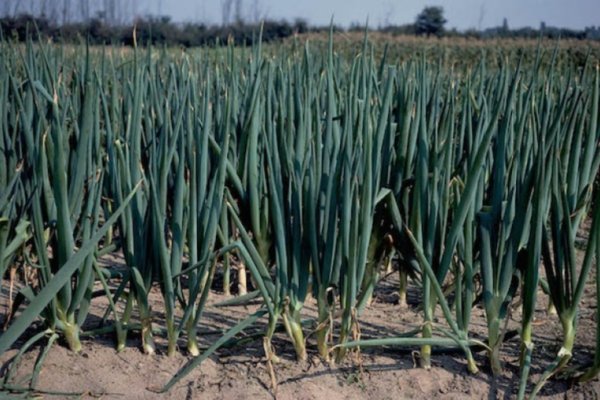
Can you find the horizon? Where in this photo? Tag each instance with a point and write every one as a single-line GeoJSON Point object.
{"type": "Point", "coordinates": [460, 14]}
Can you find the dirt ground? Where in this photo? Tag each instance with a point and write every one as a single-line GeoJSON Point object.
{"type": "Point", "coordinates": [98, 371]}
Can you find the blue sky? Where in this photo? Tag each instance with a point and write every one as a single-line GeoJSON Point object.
{"type": "Point", "coordinates": [462, 14]}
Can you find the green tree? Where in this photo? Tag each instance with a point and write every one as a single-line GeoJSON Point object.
{"type": "Point", "coordinates": [430, 21]}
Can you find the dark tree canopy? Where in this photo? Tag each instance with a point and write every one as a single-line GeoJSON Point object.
{"type": "Point", "coordinates": [430, 21]}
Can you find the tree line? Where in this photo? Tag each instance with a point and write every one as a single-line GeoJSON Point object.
{"type": "Point", "coordinates": [111, 21]}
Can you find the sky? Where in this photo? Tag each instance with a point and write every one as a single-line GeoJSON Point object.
{"type": "Point", "coordinates": [461, 14]}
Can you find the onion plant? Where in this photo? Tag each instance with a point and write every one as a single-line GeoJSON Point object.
{"type": "Point", "coordinates": [123, 116]}
{"type": "Point", "coordinates": [70, 179]}
{"type": "Point", "coordinates": [576, 159]}
{"type": "Point", "coordinates": [14, 226]}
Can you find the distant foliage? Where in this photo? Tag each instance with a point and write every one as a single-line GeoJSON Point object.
{"type": "Point", "coordinates": [149, 30]}
{"type": "Point", "coordinates": [430, 21]}
{"type": "Point", "coordinates": [162, 30]}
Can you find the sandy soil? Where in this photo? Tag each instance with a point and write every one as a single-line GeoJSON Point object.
{"type": "Point", "coordinates": [98, 371]}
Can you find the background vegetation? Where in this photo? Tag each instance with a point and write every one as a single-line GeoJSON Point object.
{"type": "Point", "coordinates": [104, 27]}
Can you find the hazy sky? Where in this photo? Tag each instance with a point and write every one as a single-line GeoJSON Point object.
{"type": "Point", "coordinates": [462, 14]}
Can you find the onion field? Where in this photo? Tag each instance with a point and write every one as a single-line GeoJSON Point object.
{"type": "Point", "coordinates": [292, 178]}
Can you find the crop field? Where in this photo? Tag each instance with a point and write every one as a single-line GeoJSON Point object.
{"type": "Point", "coordinates": [331, 217]}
